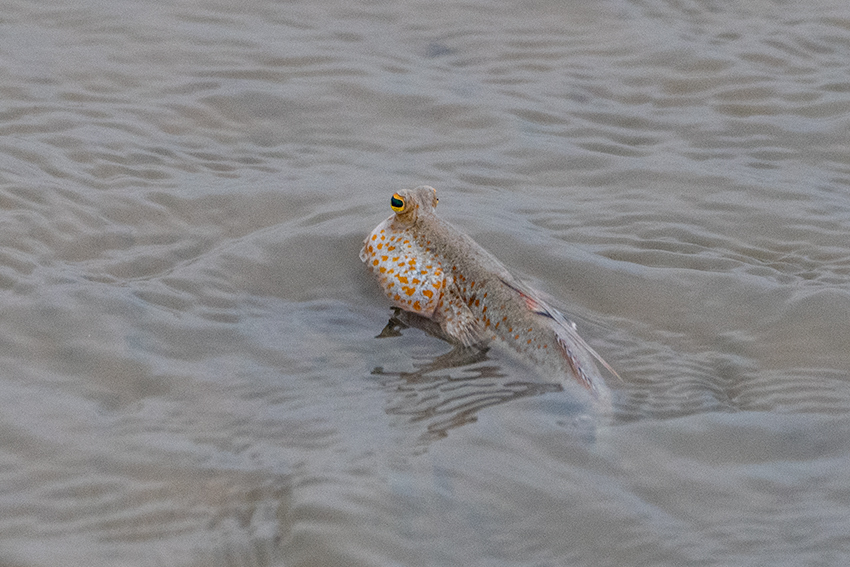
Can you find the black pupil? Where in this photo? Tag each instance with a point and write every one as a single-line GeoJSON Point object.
{"type": "Point", "coordinates": [396, 203]}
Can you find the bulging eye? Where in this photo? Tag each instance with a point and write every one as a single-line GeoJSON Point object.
{"type": "Point", "coordinates": [397, 203]}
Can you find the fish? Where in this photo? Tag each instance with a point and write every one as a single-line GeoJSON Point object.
{"type": "Point", "coordinates": [427, 266]}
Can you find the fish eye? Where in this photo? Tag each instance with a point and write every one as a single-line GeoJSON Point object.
{"type": "Point", "coordinates": [397, 203]}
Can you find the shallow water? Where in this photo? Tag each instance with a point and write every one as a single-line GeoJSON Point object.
{"type": "Point", "coordinates": [189, 368]}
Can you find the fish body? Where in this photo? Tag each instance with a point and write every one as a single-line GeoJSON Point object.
{"type": "Point", "coordinates": [427, 266]}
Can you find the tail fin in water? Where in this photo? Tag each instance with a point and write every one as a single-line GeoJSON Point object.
{"type": "Point", "coordinates": [570, 330]}
{"type": "Point", "coordinates": [568, 339]}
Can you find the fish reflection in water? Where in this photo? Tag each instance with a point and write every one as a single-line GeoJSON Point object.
{"type": "Point", "coordinates": [444, 399]}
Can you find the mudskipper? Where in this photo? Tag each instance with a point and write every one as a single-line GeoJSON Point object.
{"type": "Point", "coordinates": [428, 267]}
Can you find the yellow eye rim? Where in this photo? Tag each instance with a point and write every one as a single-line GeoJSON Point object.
{"type": "Point", "coordinates": [397, 203]}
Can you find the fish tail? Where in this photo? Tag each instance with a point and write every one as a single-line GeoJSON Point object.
{"type": "Point", "coordinates": [566, 333]}
{"type": "Point", "coordinates": [572, 347]}
{"type": "Point", "coordinates": [575, 351]}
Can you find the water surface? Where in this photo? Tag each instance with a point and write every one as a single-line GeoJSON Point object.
{"type": "Point", "coordinates": [189, 368]}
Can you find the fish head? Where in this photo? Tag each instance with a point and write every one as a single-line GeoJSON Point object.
{"type": "Point", "coordinates": [411, 204]}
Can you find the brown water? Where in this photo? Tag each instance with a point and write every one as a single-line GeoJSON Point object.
{"type": "Point", "coordinates": [189, 373]}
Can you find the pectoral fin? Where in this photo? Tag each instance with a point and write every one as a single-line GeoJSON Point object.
{"type": "Point", "coordinates": [458, 320]}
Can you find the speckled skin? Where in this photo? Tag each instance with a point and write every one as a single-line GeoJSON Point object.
{"type": "Point", "coordinates": [427, 266]}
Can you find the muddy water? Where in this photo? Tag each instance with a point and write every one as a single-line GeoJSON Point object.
{"type": "Point", "coordinates": [189, 368]}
